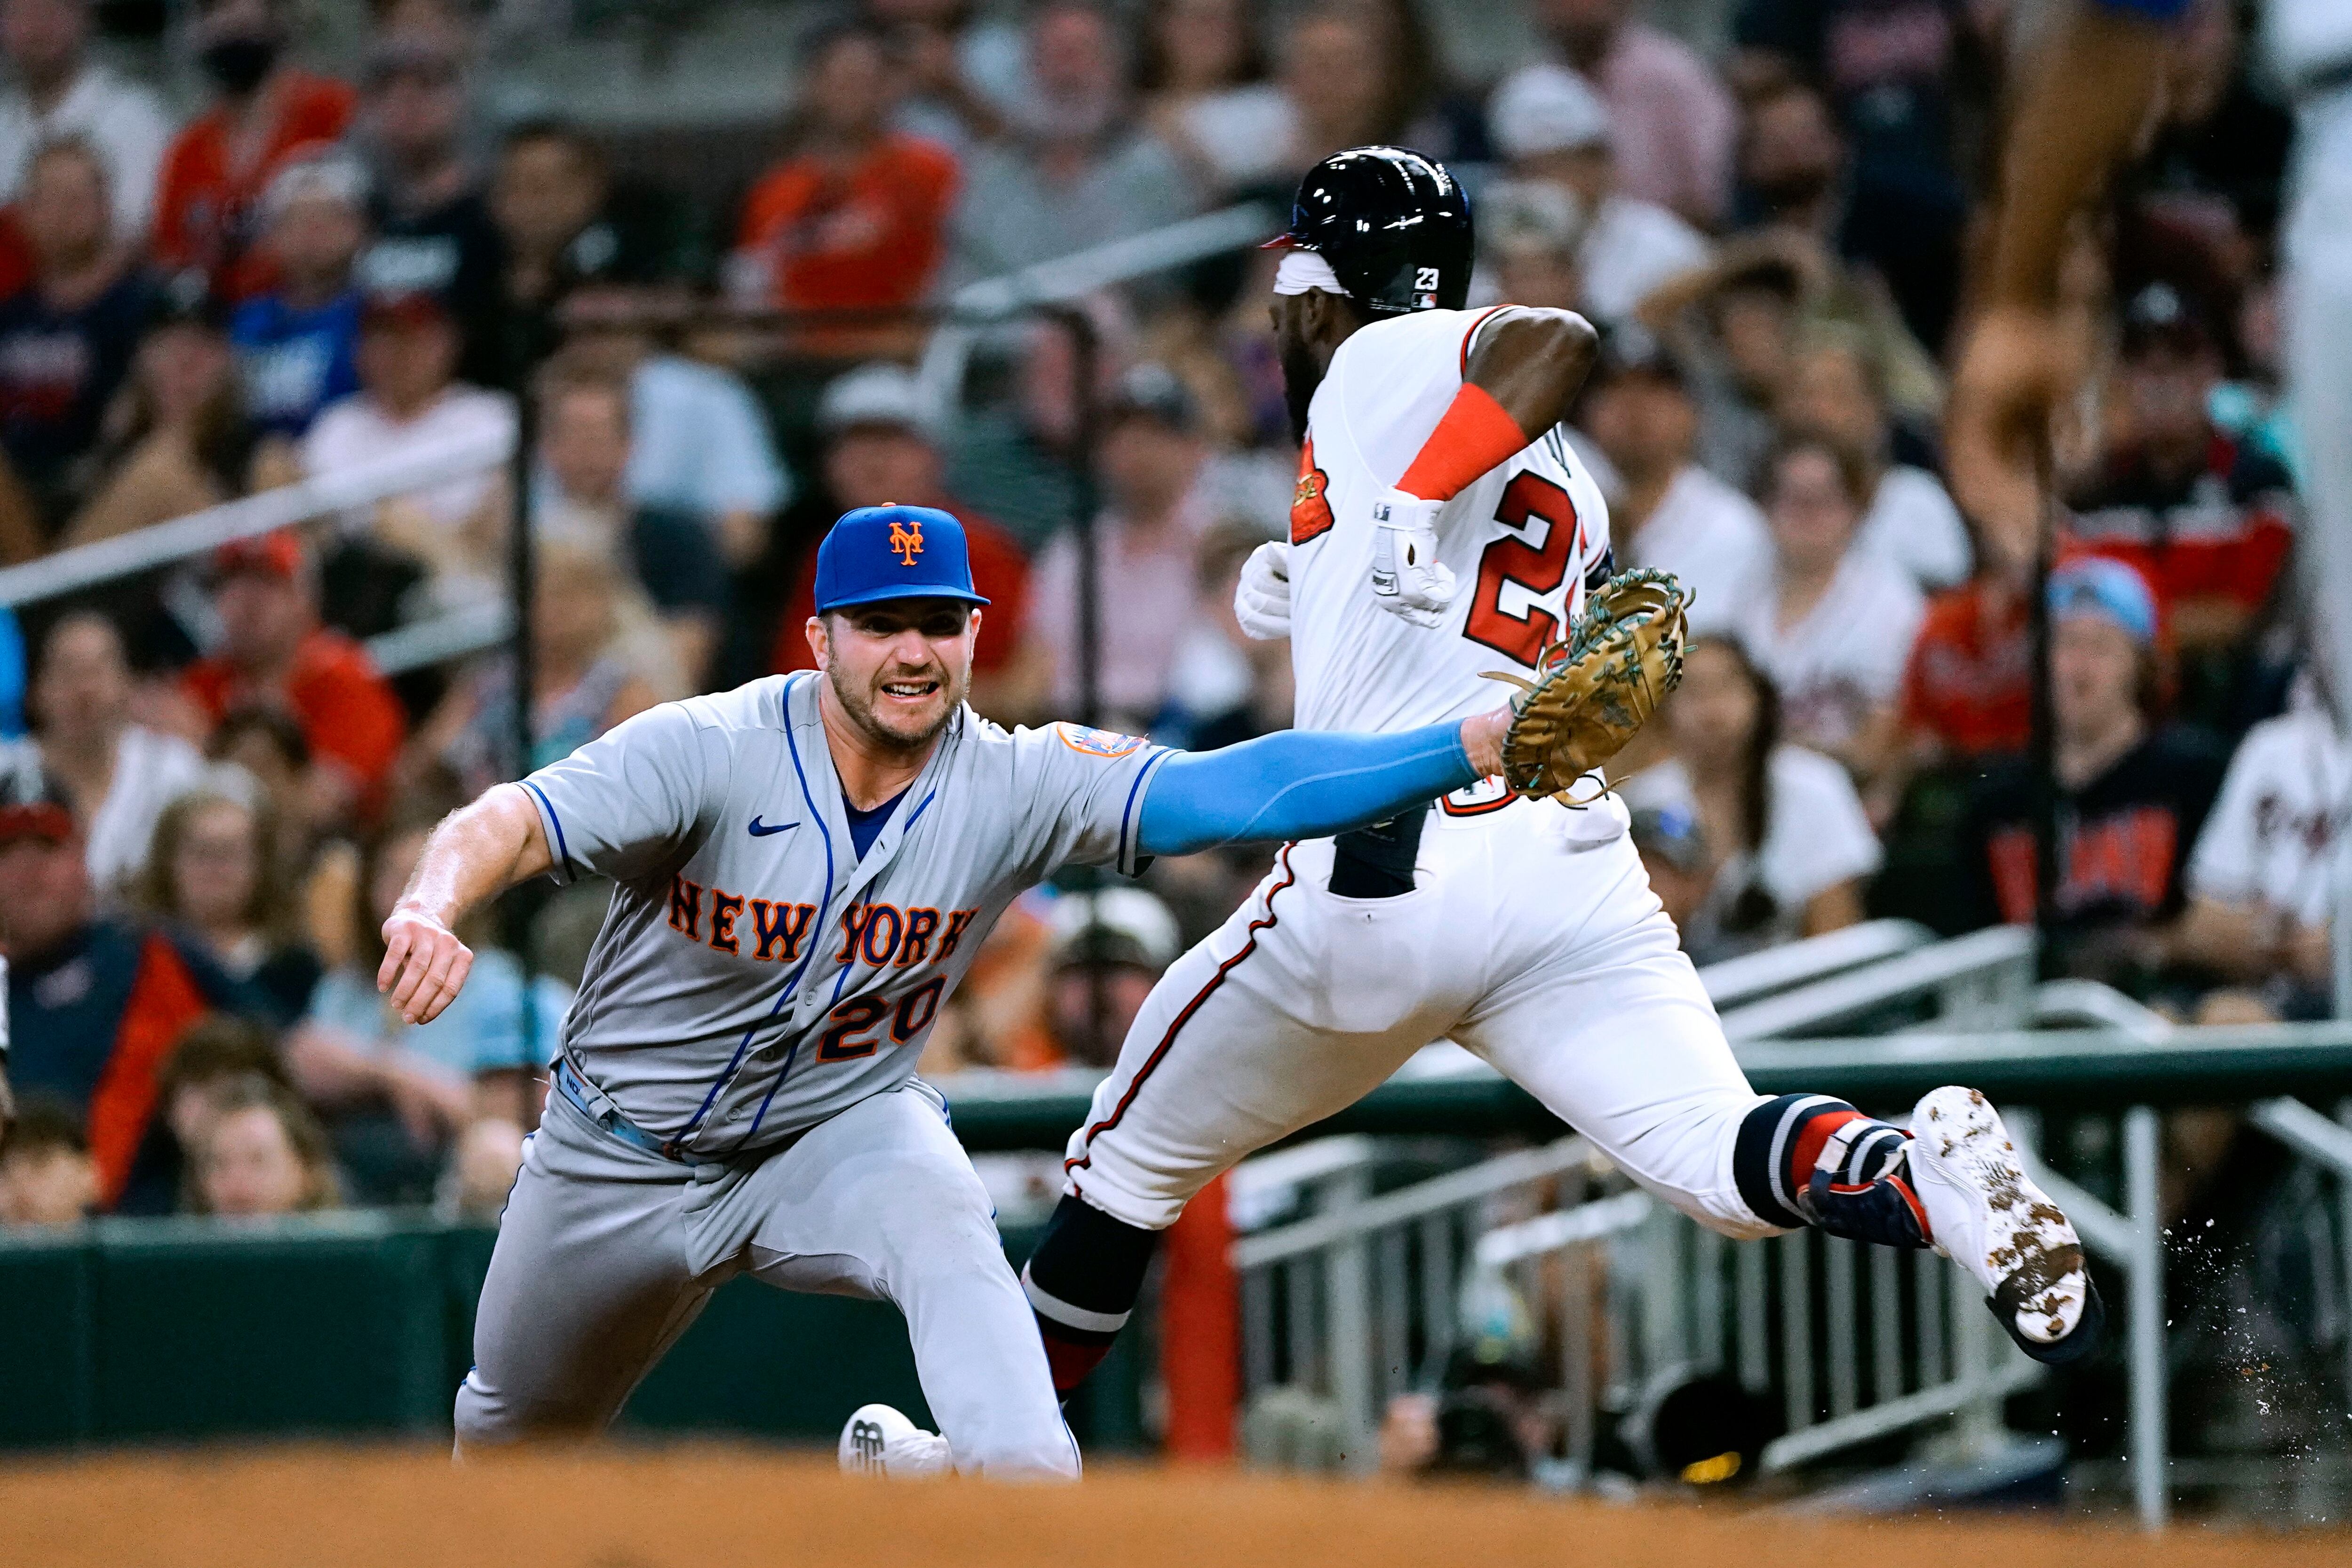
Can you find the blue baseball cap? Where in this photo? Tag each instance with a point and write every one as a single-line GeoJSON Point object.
{"type": "Point", "coordinates": [2110, 589]}
{"type": "Point", "coordinates": [879, 553]}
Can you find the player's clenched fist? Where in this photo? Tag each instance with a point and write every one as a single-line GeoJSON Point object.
{"type": "Point", "coordinates": [425, 965]}
{"type": "Point", "coordinates": [1408, 579]}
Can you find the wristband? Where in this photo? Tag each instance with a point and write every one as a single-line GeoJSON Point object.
{"type": "Point", "coordinates": [1476, 435]}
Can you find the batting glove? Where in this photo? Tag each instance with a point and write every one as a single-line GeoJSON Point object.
{"type": "Point", "coordinates": [1408, 580]}
{"type": "Point", "coordinates": [1262, 598]}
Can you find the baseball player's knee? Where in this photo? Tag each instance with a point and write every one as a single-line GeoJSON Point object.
{"type": "Point", "coordinates": [489, 1418]}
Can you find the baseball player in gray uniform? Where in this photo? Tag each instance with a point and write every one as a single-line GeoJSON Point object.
{"type": "Point", "coordinates": [801, 870]}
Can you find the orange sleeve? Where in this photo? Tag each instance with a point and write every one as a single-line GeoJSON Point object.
{"type": "Point", "coordinates": [763, 206]}
{"type": "Point", "coordinates": [164, 1001]}
{"type": "Point", "coordinates": [171, 244]}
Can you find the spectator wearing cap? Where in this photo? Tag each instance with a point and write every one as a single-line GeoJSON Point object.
{"type": "Point", "coordinates": [1837, 390]}
{"type": "Point", "coordinates": [1530, 246]}
{"type": "Point", "coordinates": [68, 337]}
{"type": "Point", "coordinates": [118, 776]}
{"type": "Point", "coordinates": [2262, 894]}
{"type": "Point", "coordinates": [585, 447]}
{"type": "Point", "coordinates": [59, 94]}
{"type": "Point", "coordinates": [1552, 127]}
{"type": "Point", "coordinates": [297, 342]}
{"type": "Point", "coordinates": [1074, 171]}
{"type": "Point", "coordinates": [1834, 626]}
{"type": "Point", "coordinates": [1787, 848]}
{"type": "Point", "coordinates": [176, 439]}
{"type": "Point", "coordinates": [854, 216]}
{"type": "Point", "coordinates": [2132, 795]}
{"type": "Point", "coordinates": [2205, 520]}
{"type": "Point", "coordinates": [1673, 854]}
{"type": "Point", "coordinates": [1673, 122]}
{"type": "Point", "coordinates": [428, 196]}
{"type": "Point", "coordinates": [95, 1001]}
{"type": "Point", "coordinates": [1113, 944]}
{"type": "Point", "coordinates": [1148, 537]}
{"type": "Point", "coordinates": [699, 443]}
{"type": "Point", "coordinates": [1668, 511]}
{"type": "Point", "coordinates": [274, 653]}
{"type": "Point", "coordinates": [265, 113]}
{"type": "Point", "coordinates": [878, 445]}
{"type": "Point", "coordinates": [410, 403]}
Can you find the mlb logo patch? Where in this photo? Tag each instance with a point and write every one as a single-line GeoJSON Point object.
{"type": "Point", "coordinates": [1097, 742]}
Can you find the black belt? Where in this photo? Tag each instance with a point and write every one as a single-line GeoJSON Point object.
{"type": "Point", "coordinates": [1376, 862]}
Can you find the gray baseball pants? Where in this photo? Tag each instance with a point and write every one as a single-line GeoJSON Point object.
{"type": "Point", "coordinates": [606, 1253]}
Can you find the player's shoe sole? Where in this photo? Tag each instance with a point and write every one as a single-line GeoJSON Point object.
{"type": "Point", "coordinates": [879, 1441]}
{"type": "Point", "coordinates": [1988, 1216]}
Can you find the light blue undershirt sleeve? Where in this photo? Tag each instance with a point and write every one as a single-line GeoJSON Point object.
{"type": "Point", "coordinates": [1300, 784]}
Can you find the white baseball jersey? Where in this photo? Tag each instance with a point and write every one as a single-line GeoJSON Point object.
{"type": "Point", "coordinates": [1522, 542]}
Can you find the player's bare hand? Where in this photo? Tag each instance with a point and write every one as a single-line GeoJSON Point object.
{"type": "Point", "coordinates": [1262, 597]}
{"type": "Point", "coordinates": [2018, 366]}
{"type": "Point", "coordinates": [1482, 738]}
{"type": "Point", "coordinates": [425, 965]}
{"type": "Point", "coordinates": [1408, 579]}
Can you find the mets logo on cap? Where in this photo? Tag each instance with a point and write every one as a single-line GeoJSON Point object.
{"type": "Point", "coordinates": [879, 553]}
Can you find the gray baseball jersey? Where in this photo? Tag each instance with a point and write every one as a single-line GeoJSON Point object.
{"type": "Point", "coordinates": [754, 975]}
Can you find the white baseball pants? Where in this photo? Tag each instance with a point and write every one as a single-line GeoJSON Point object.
{"type": "Point", "coordinates": [1549, 958]}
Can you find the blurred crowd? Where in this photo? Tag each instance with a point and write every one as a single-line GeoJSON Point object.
{"type": "Point", "coordinates": [253, 270]}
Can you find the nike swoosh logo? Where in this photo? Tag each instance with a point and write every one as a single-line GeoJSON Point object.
{"type": "Point", "coordinates": [760, 829]}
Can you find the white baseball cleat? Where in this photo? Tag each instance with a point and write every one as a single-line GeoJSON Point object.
{"type": "Point", "coordinates": [1987, 1215]}
{"type": "Point", "coordinates": [879, 1441]}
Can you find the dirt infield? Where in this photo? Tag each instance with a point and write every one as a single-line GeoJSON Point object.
{"type": "Point", "coordinates": [733, 1508]}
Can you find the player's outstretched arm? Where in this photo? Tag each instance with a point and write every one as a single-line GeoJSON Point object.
{"type": "Point", "coordinates": [477, 852]}
{"type": "Point", "coordinates": [2086, 98]}
{"type": "Point", "coordinates": [1304, 784]}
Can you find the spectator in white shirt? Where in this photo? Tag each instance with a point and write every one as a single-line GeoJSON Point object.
{"type": "Point", "coordinates": [1667, 511]}
{"type": "Point", "coordinates": [2262, 880]}
{"type": "Point", "coordinates": [1552, 126]}
{"type": "Point", "coordinates": [118, 775]}
{"type": "Point", "coordinates": [409, 403]}
{"type": "Point", "coordinates": [1836, 391]}
{"type": "Point", "coordinates": [1788, 846]}
{"type": "Point", "coordinates": [699, 444]}
{"type": "Point", "coordinates": [1834, 626]}
{"type": "Point", "coordinates": [1201, 74]}
{"type": "Point", "coordinates": [58, 95]}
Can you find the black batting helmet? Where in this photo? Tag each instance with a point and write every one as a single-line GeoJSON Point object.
{"type": "Point", "coordinates": [1393, 226]}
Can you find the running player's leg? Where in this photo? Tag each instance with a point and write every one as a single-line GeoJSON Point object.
{"type": "Point", "coordinates": [1300, 1005]}
{"type": "Point", "coordinates": [588, 1284]}
{"type": "Point", "coordinates": [881, 1202]}
{"type": "Point", "coordinates": [1617, 1037]}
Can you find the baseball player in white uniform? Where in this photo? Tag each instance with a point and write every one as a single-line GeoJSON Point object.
{"type": "Point", "coordinates": [802, 870]}
{"type": "Point", "coordinates": [1442, 530]}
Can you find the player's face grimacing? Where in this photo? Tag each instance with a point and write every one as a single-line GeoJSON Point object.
{"type": "Point", "coordinates": [898, 667]}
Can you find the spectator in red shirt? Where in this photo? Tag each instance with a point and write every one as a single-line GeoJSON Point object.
{"type": "Point", "coordinates": [2202, 519]}
{"type": "Point", "coordinates": [207, 200]}
{"type": "Point", "coordinates": [273, 652]}
{"type": "Point", "coordinates": [878, 448]}
{"type": "Point", "coordinates": [854, 216]}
